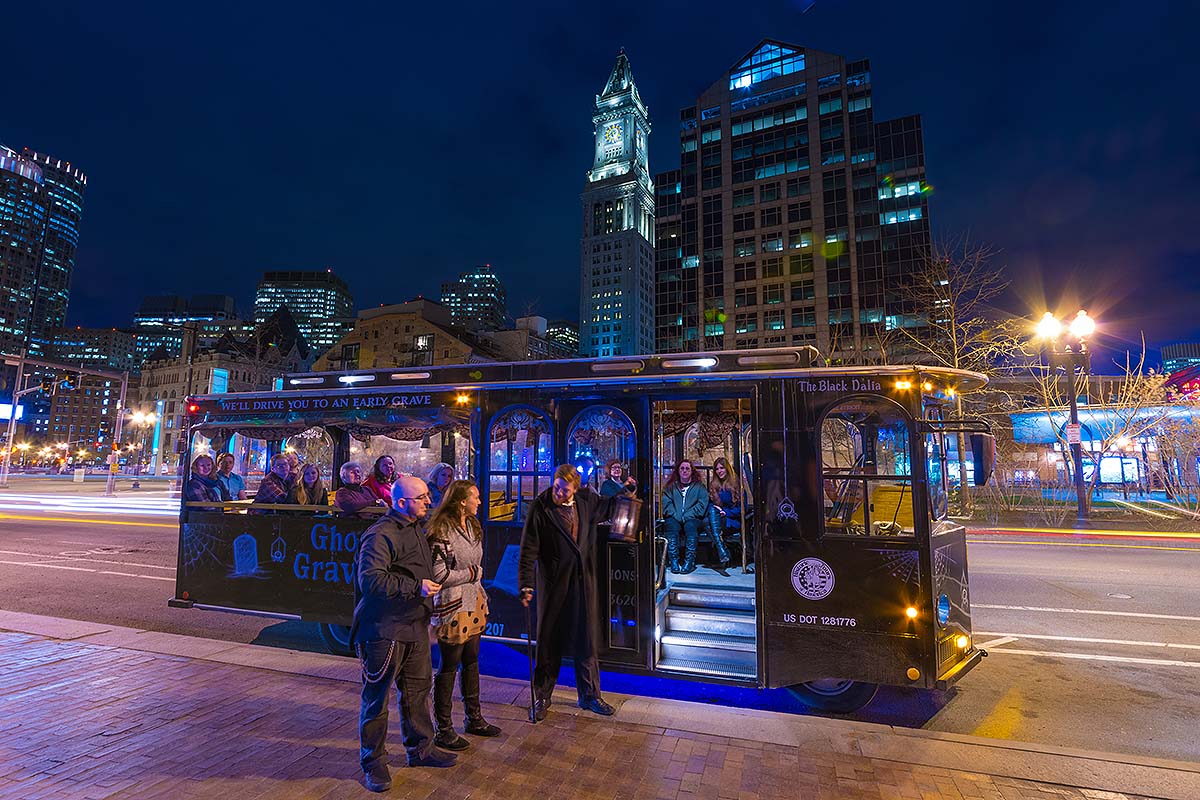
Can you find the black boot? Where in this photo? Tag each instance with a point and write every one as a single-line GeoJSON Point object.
{"type": "Point", "coordinates": [673, 553]}
{"type": "Point", "coordinates": [717, 524]}
{"type": "Point", "coordinates": [689, 556]}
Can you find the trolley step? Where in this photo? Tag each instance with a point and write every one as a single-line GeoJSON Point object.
{"type": "Point", "coordinates": [747, 671]}
{"type": "Point", "coordinates": [722, 622]}
{"type": "Point", "coordinates": [740, 644]}
{"type": "Point", "coordinates": [712, 597]}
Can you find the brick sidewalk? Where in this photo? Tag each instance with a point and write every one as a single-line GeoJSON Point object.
{"type": "Point", "coordinates": [80, 720]}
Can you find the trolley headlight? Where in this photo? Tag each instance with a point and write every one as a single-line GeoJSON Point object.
{"type": "Point", "coordinates": [963, 642]}
{"type": "Point", "coordinates": [911, 612]}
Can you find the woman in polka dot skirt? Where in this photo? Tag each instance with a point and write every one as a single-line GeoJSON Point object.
{"type": "Point", "coordinates": [459, 610]}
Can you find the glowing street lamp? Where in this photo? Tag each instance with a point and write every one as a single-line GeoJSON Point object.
{"type": "Point", "coordinates": [1070, 353]}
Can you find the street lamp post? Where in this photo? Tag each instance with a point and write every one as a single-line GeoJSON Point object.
{"type": "Point", "coordinates": [1071, 354]}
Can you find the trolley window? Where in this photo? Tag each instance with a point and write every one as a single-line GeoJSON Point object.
{"type": "Point", "coordinates": [598, 436]}
{"type": "Point", "coordinates": [866, 469]}
{"type": "Point", "coordinates": [419, 450]}
{"type": "Point", "coordinates": [520, 461]}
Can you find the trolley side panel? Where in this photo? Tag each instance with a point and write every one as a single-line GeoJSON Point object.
{"type": "Point", "coordinates": [273, 563]}
{"type": "Point", "coordinates": [837, 609]}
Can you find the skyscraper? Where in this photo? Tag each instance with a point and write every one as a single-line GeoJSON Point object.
{"type": "Point", "coordinates": [158, 323]}
{"type": "Point", "coordinates": [320, 303]}
{"type": "Point", "coordinates": [477, 300]}
{"type": "Point", "coordinates": [41, 202]}
{"type": "Point", "coordinates": [616, 281]}
{"type": "Point", "coordinates": [795, 217]}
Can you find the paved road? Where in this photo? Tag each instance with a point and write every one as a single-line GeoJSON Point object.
{"type": "Point", "coordinates": [1094, 641]}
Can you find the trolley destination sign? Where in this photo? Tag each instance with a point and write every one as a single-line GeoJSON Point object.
{"type": "Point", "coordinates": [284, 404]}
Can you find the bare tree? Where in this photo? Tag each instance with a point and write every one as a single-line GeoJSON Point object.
{"type": "Point", "coordinates": [957, 324]}
{"type": "Point", "coordinates": [1135, 404]}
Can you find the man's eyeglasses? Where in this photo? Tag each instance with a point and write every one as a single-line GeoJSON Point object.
{"type": "Point", "coordinates": [424, 497]}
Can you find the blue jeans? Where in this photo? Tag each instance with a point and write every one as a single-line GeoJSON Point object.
{"type": "Point", "coordinates": [408, 665]}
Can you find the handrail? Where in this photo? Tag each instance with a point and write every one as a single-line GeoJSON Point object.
{"type": "Point", "coordinates": [246, 505]}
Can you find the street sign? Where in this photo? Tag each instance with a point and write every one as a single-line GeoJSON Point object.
{"type": "Point", "coordinates": [1072, 430]}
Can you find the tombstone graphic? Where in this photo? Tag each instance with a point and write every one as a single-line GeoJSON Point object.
{"type": "Point", "coordinates": [245, 555]}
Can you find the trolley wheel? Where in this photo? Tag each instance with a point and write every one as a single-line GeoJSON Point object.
{"type": "Point", "coordinates": [336, 638]}
{"type": "Point", "coordinates": [834, 695]}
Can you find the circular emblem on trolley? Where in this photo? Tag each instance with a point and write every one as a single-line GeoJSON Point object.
{"type": "Point", "coordinates": [812, 578]}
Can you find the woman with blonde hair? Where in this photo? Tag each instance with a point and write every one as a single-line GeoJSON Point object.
{"type": "Point", "coordinates": [730, 502]}
{"type": "Point", "coordinates": [459, 611]}
{"type": "Point", "coordinates": [309, 490]}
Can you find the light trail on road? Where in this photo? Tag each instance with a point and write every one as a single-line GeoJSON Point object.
{"type": "Point", "coordinates": [91, 504]}
{"type": "Point", "coordinates": [1087, 533]}
{"type": "Point", "coordinates": [85, 520]}
{"type": "Point", "coordinates": [1088, 544]}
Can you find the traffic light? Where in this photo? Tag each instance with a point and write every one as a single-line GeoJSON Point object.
{"type": "Point", "coordinates": [47, 385]}
{"type": "Point", "coordinates": [70, 382]}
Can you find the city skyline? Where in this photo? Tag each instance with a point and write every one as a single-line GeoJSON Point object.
{"type": "Point", "coordinates": [1060, 181]}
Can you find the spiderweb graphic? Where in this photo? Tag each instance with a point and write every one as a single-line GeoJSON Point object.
{"type": "Point", "coordinates": [942, 560]}
{"type": "Point", "coordinates": [902, 564]}
{"type": "Point", "coordinates": [199, 548]}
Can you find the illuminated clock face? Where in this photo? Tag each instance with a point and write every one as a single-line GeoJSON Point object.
{"type": "Point", "coordinates": [612, 133]}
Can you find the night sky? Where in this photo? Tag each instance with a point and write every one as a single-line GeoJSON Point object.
{"type": "Point", "coordinates": [402, 143]}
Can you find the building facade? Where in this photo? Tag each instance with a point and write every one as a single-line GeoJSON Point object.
{"type": "Point", "coordinates": [477, 300]}
{"type": "Point", "coordinates": [616, 281]}
{"type": "Point", "coordinates": [157, 324]}
{"type": "Point", "coordinates": [41, 204]}
{"type": "Point", "coordinates": [251, 365]}
{"type": "Point", "coordinates": [565, 333]}
{"type": "Point", "coordinates": [101, 348]}
{"type": "Point", "coordinates": [419, 333]}
{"type": "Point", "coordinates": [794, 218]}
{"type": "Point", "coordinates": [320, 302]}
{"type": "Point", "coordinates": [85, 418]}
{"type": "Point", "coordinates": [1180, 355]}
{"type": "Point", "coordinates": [529, 340]}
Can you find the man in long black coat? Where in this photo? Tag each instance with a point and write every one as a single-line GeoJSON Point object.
{"type": "Point", "coordinates": [560, 536]}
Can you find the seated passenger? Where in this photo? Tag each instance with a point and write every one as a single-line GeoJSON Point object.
{"type": "Point", "coordinates": [309, 491]}
{"type": "Point", "coordinates": [730, 501]}
{"type": "Point", "coordinates": [684, 508]}
{"type": "Point", "coordinates": [353, 496]}
{"type": "Point", "coordinates": [235, 485]}
{"type": "Point", "coordinates": [383, 475]}
{"type": "Point", "coordinates": [615, 477]}
{"type": "Point", "coordinates": [439, 479]}
{"type": "Point", "coordinates": [202, 487]}
{"type": "Point", "coordinates": [274, 487]}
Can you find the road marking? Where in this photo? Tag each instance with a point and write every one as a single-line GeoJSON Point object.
{"type": "Point", "coordinates": [1088, 611]}
{"type": "Point", "coordinates": [1075, 532]}
{"type": "Point", "coordinates": [1158, 662]}
{"type": "Point", "coordinates": [1012, 637]}
{"type": "Point", "coordinates": [1092, 544]}
{"type": "Point", "coordinates": [46, 565]}
{"type": "Point", "coordinates": [993, 642]}
{"type": "Point", "coordinates": [66, 557]}
{"type": "Point", "coordinates": [135, 575]}
{"type": "Point", "coordinates": [90, 521]}
{"type": "Point", "coordinates": [85, 569]}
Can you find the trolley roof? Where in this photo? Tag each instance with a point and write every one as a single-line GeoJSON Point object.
{"type": "Point", "coordinates": [632, 370]}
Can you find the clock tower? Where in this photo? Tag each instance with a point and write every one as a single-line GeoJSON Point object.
{"type": "Point", "coordinates": [616, 292]}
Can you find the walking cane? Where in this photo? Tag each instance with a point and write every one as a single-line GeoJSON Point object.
{"type": "Point", "coordinates": [529, 650]}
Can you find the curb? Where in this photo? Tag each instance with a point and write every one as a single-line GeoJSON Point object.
{"type": "Point", "coordinates": [1084, 769]}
